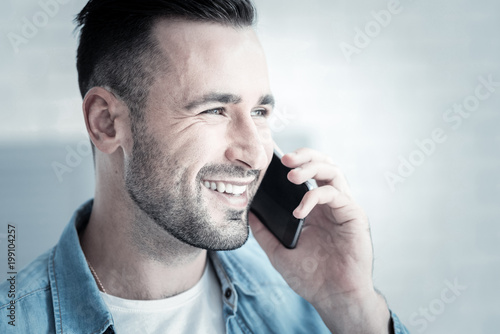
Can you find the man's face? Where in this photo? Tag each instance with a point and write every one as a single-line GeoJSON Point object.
{"type": "Point", "coordinates": [205, 127]}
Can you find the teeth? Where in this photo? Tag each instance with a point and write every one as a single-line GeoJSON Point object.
{"type": "Point", "coordinates": [225, 187]}
{"type": "Point", "coordinates": [238, 190]}
{"type": "Point", "coordinates": [221, 187]}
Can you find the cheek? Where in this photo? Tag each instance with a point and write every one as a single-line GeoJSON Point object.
{"type": "Point", "coordinates": [202, 148]}
{"type": "Point", "coordinates": [268, 145]}
{"type": "Point", "coordinates": [267, 142]}
{"type": "Point", "coordinates": [196, 152]}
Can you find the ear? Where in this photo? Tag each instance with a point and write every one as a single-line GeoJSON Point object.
{"type": "Point", "coordinates": [106, 118]}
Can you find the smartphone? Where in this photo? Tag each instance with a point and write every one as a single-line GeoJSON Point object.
{"type": "Point", "coordinates": [275, 201]}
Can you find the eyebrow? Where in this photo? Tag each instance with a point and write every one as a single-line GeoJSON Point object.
{"type": "Point", "coordinates": [226, 99]}
{"type": "Point", "coordinates": [267, 99]}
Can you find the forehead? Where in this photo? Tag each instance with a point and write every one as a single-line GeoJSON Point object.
{"type": "Point", "coordinates": [206, 57]}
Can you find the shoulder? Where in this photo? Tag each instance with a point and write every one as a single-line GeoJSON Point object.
{"type": "Point", "coordinates": [25, 298]}
{"type": "Point", "coordinates": [31, 279]}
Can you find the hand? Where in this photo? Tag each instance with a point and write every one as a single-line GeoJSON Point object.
{"type": "Point", "coordinates": [331, 266]}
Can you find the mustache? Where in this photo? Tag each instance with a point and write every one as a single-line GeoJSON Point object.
{"type": "Point", "coordinates": [227, 170]}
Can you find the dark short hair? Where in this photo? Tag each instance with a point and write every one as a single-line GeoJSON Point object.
{"type": "Point", "coordinates": [116, 47]}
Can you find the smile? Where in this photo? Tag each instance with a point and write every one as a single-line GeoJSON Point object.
{"type": "Point", "coordinates": [225, 187]}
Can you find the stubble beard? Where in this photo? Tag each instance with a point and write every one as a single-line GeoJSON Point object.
{"type": "Point", "coordinates": [161, 190]}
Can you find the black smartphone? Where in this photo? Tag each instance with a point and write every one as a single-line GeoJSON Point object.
{"type": "Point", "coordinates": [275, 201]}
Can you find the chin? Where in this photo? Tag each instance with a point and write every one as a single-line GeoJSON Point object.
{"type": "Point", "coordinates": [232, 235]}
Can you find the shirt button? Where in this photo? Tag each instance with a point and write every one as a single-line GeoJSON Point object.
{"type": "Point", "coordinates": [228, 293]}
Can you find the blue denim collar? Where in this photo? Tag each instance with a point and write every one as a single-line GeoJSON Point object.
{"type": "Point", "coordinates": [76, 300]}
{"type": "Point", "coordinates": [75, 296]}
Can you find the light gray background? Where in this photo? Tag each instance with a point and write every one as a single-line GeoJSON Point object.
{"type": "Point", "coordinates": [438, 227]}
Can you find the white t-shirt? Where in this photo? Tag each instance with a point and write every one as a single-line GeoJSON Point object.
{"type": "Point", "coordinates": [197, 310]}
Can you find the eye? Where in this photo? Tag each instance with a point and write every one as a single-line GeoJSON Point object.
{"type": "Point", "coordinates": [216, 111]}
{"type": "Point", "coordinates": [259, 112]}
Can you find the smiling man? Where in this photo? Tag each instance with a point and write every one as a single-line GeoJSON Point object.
{"type": "Point", "coordinates": [176, 101]}
{"type": "Point", "coordinates": [203, 141]}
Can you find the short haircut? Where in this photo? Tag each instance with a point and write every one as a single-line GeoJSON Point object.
{"type": "Point", "coordinates": [116, 47]}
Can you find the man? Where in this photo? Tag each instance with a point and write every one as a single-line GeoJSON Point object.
{"type": "Point", "coordinates": [176, 99]}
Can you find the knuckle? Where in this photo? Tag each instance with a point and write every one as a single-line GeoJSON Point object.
{"type": "Point", "coordinates": [329, 188]}
{"type": "Point", "coordinates": [313, 195]}
{"type": "Point", "coordinates": [302, 150]}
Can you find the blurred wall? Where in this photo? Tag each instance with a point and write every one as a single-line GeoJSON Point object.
{"type": "Point", "coordinates": [404, 95]}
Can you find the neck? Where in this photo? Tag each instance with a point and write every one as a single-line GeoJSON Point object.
{"type": "Point", "coordinates": [133, 257]}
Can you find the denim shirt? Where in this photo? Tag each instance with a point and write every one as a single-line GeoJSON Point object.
{"type": "Point", "coordinates": [57, 293]}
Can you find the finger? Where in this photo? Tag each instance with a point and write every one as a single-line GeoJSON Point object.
{"type": "Point", "coordinates": [264, 237]}
{"type": "Point", "coordinates": [324, 172]}
{"type": "Point", "coordinates": [302, 156]}
{"type": "Point", "coordinates": [323, 195]}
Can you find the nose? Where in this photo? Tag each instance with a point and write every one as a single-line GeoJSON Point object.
{"type": "Point", "coordinates": [248, 143]}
